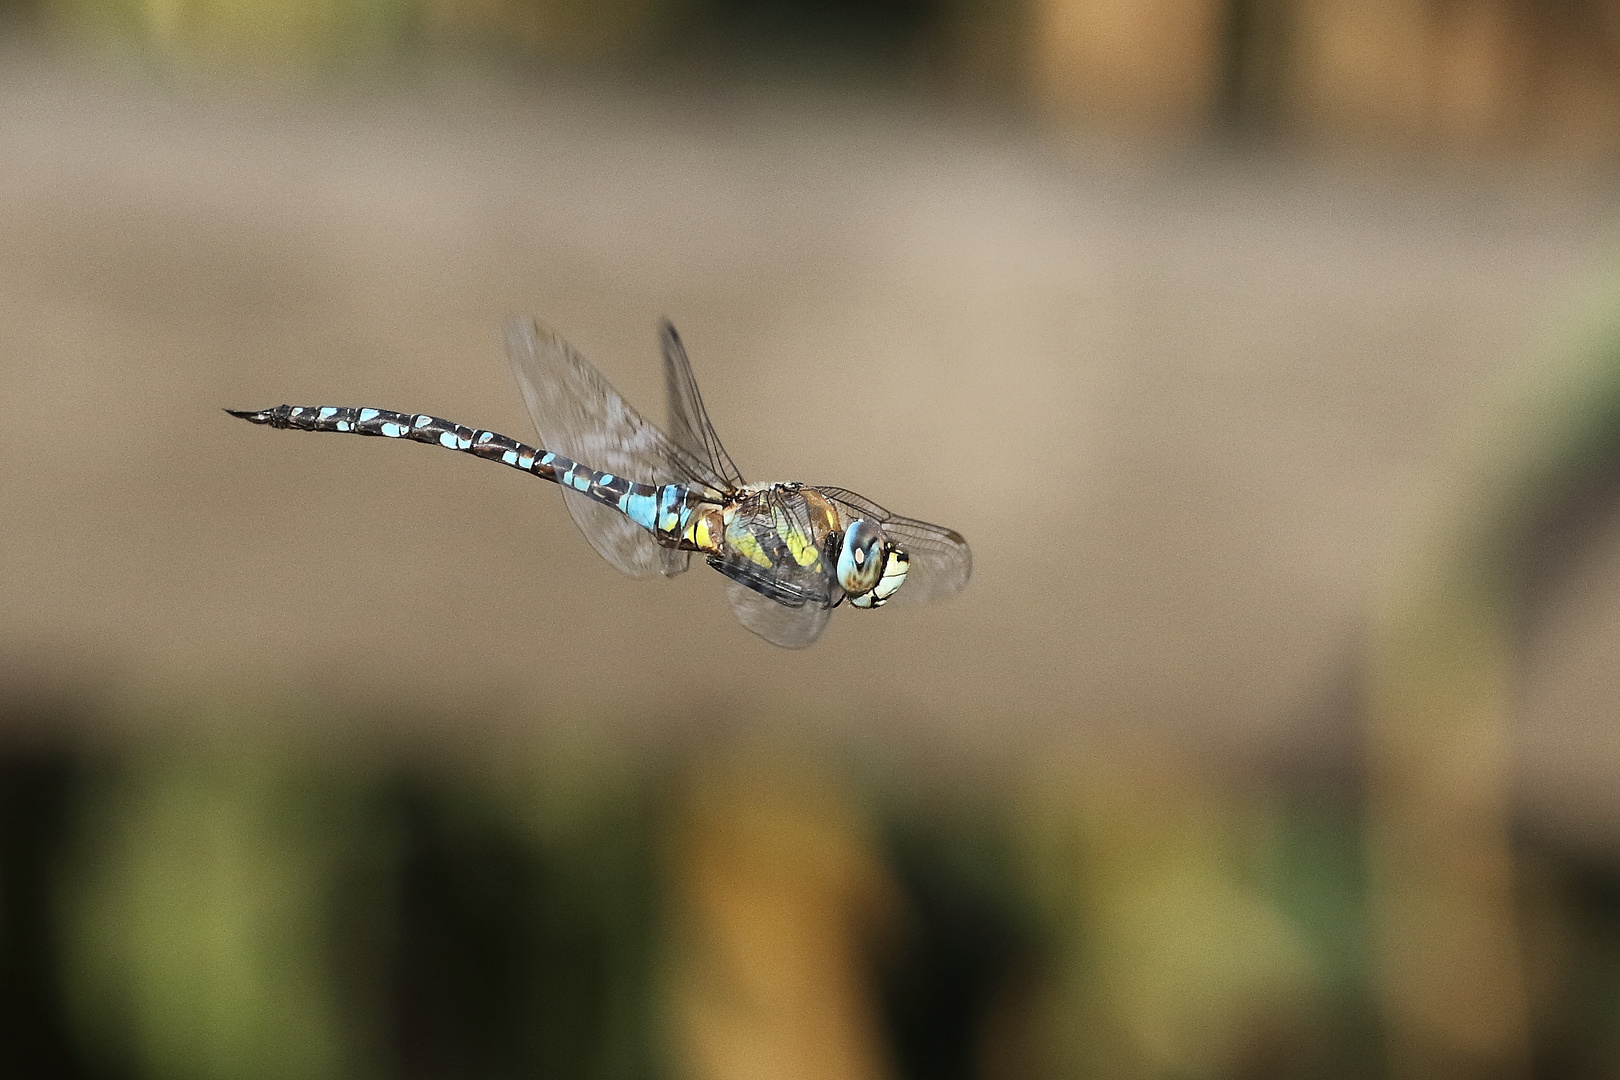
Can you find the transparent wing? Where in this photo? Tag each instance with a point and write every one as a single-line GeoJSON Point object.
{"type": "Point", "coordinates": [580, 416]}
{"type": "Point", "coordinates": [789, 627]}
{"type": "Point", "coordinates": [941, 561]}
{"type": "Point", "coordinates": [688, 420]}
{"type": "Point", "coordinates": [860, 504]}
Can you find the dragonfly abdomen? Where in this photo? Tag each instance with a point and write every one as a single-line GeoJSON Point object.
{"type": "Point", "coordinates": [663, 510]}
{"type": "Point", "coordinates": [417, 427]}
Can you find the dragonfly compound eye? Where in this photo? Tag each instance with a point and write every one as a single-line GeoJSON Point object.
{"type": "Point", "coordinates": [860, 558]}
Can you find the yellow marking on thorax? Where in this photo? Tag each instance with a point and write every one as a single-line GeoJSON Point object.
{"type": "Point", "coordinates": [739, 538]}
{"type": "Point", "coordinates": [806, 547]}
{"type": "Point", "coordinates": [743, 543]}
{"type": "Point", "coordinates": [803, 544]}
{"type": "Point", "coordinates": [802, 548]}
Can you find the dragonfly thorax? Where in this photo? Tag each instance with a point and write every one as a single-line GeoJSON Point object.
{"type": "Point", "coordinates": [791, 540]}
{"type": "Point", "coordinates": [778, 526]}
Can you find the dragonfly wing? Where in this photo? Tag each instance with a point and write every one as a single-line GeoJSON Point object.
{"type": "Point", "coordinates": [580, 416]}
{"type": "Point", "coordinates": [688, 420]}
{"type": "Point", "coordinates": [789, 627]}
{"type": "Point", "coordinates": [618, 539]}
{"type": "Point", "coordinates": [783, 611]}
{"type": "Point", "coordinates": [855, 505]}
{"type": "Point", "coordinates": [941, 561]}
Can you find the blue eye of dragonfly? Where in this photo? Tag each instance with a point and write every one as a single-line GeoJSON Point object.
{"type": "Point", "coordinates": [860, 558]}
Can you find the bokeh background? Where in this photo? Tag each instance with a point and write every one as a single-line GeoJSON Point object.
{"type": "Point", "coordinates": [1267, 351]}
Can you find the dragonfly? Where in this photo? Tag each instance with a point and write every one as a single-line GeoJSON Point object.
{"type": "Point", "coordinates": [649, 498]}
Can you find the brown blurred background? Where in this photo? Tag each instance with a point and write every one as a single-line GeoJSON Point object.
{"type": "Point", "coordinates": [1267, 351]}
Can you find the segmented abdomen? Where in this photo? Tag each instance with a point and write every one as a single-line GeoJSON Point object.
{"type": "Point", "coordinates": [664, 510]}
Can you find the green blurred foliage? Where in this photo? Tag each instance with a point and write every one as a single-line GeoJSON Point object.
{"type": "Point", "coordinates": [1171, 958]}
{"type": "Point", "coordinates": [328, 32]}
{"type": "Point", "coordinates": [247, 907]}
{"type": "Point", "coordinates": [197, 914]}
{"type": "Point", "coordinates": [264, 908]}
{"type": "Point", "coordinates": [267, 31]}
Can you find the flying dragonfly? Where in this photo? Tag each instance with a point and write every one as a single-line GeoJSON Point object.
{"type": "Point", "coordinates": [648, 499]}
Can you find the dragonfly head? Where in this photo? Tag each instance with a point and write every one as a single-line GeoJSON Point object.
{"type": "Point", "coordinates": [870, 568]}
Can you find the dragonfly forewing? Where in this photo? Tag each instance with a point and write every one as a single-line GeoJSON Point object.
{"type": "Point", "coordinates": [578, 414]}
{"type": "Point", "coordinates": [689, 422]}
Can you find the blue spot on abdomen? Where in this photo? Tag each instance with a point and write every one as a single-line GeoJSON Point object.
{"type": "Point", "coordinates": [641, 509]}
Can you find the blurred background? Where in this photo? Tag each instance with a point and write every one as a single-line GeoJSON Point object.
{"type": "Point", "coordinates": [1267, 351]}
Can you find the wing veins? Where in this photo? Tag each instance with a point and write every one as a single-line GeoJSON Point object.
{"type": "Point", "coordinates": [689, 418]}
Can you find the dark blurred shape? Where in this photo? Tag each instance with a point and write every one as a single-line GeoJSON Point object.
{"type": "Point", "coordinates": [881, 24]}
{"type": "Point", "coordinates": [1577, 1013]}
{"type": "Point", "coordinates": [1471, 77]}
{"type": "Point", "coordinates": [1552, 519]}
{"type": "Point", "coordinates": [515, 960]}
{"type": "Point", "coordinates": [1254, 59]}
{"type": "Point", "coordinates": [966, 965]}
{"type": "Point", "coordinates": [39, 783]}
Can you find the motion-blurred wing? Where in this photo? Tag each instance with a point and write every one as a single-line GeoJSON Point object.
{"type": "Point", "coordinates": [689, 422]}
{"type": "Point", "coordinates": [580, 416]}
{"type": "Point", "coordinates": [941, 561]}
{"type": "Point", "coordinates": [789, 627]}
{"type": "Point", "coordinates": [778, 609]}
